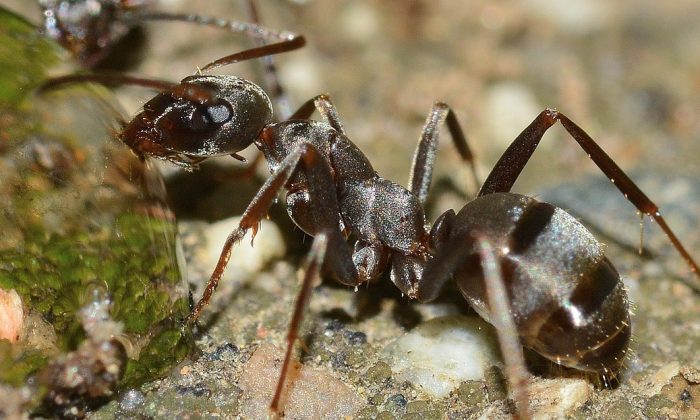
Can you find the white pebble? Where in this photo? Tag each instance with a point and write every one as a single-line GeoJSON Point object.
{"type": "Point", "coordinates": [441, 353]}
{"type": "Point", "coordinates": [268, 245]}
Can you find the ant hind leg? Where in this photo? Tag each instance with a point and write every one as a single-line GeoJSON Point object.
{"type": "Point", "coordinates": [455, 250]}
{"type": "Point", "coordinates": [502, 318]}
{"type": "Point", "coordinates": [514, 159]}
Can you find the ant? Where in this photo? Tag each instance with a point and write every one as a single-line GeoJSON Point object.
{"type": "Point", "coordinates": [529, 268]}
{"type": "Point", "coordinates": [89, 29]}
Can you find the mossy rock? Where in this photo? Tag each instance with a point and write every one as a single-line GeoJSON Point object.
{"type": "Point", "coordinates": [80, 214]}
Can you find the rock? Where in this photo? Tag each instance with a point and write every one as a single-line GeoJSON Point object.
{"type": "Point", "coordinates": [308, 393]}
{"type": "Point", "coordinates": [440, 354]}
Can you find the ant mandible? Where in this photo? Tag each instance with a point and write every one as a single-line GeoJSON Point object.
{"type": "Point", "coordinates": [529, 268]}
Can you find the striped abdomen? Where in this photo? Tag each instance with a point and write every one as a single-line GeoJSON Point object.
{"type": "Point", "coordinates": [567, 299]}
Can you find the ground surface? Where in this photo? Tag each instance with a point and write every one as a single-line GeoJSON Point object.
{"type": "Point", "coordinates": [629, 74]}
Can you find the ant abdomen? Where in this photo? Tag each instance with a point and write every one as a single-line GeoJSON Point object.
{"type": "Point", "coordinates": [567, 299]}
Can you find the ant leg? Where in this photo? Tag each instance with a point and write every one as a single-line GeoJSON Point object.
{"type": "Point", "coordinates": [325, 212]}
{"type": "Point", "coordinates": [314, 262]}
{"type": "Point", "coordinates": [513, 160]}
{"type": "Point", "coordinates": [323, 104]}
{"type": "Point", "coordinates": [330, 248]}
{"type": "Point", "coordinates": [454, 250]}
{"type": "Point", "coordinates": [502, 318]}
{"type": "Point", "coordinates": [424, 156]}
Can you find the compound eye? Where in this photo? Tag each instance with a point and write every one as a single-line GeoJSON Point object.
{"type": "Point", "coordinates": [208, 117]}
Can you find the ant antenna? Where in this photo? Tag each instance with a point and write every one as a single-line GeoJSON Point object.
{"type": "Point", "coordinates": [286, 41]}
{"type": "Point", "coordinates": [263, 51]}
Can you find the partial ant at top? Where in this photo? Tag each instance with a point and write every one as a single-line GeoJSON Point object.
{"type": "Point", "coordinates": [529, 268]}
{"type": "Point", "coordinates": [90, 29]}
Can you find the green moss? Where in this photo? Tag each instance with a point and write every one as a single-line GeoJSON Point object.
{"type": "Point", "coordinates": [166, 349]}
{"type": "Point", "coordinates": [17, 365]}
{"type": "Point", "coordinates": [20, 53]}
{"type": "Point", "coordinates": [91, 230]}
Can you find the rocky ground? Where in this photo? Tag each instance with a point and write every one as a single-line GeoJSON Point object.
{"type": "Point", "coordinates": [627, 73]}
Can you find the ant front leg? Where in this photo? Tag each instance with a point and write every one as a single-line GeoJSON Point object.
{"type": "Point", "coordinates": [424, 156]}
{"type": "Point", "coordinates": [330, 248]}
{"type": "Point", "coordinates": [325, 212]}
{"type": "Point", "coordinates": [514, 159]}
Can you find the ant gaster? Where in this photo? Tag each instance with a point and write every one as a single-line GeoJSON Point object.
{"type": "Point", "coordinates": [527, 267]}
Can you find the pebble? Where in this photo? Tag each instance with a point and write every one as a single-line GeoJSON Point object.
{"type": "Point", "coordinates": [440, 354]}
{"type": "Point", "coordinates": [131, 400]}
{"type": "Point", "coordinates": [12, 316]}
{"type": "Point", "coordinates": [558, 398]}
{"type": "Point", "coordinates": [267, 246]}
{"type": "Point", "coordinates": [308, 393]}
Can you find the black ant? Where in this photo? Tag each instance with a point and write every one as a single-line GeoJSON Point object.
{"type": "Point", "coordinates": [532, 270]}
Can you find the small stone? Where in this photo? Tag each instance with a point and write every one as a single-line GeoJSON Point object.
{"type": "Point", "coordinates": [308, 393]}
{"type": "Point", "coordinates": [653, 384]}
{"type": "Point", "coordinates": [438, 355]}
{"type": "Point", "coordinates": [334, 325]}
{"type": "Point", "coordinates": [385, 415]}
{"type": "Point", "coordinates": [691, 374]}
{"type": "Point", "coordinates": [496, 386]}
{"type": "Point", "coordinates": [656, 405]}
{"type": "Point", "coordinates": [558, 398]}
{"type": "Point", "coordinates": [12, 316]}
{"type": "Point", "coordinates": [267, 245]}
{"type": "Point", "coordinates": [198, 390]}
{"type": "Point", "coordinates": [419, 406]}
{"type": "Point", "coordinates": [396, 402]}
{"type": "Point", "coordinates": [131, 400]}
{"type": "Point", "coordinates": [378, 373]}
{"type": "Point", "coordinates": [225, 353]}
{"type": "Point", "coordinates": [356, 338]}
{"type": "Point", "coordinates": [471, 391]}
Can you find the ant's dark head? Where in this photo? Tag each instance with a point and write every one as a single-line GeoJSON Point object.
{"type": "Point", "coordinates": [207, 115]}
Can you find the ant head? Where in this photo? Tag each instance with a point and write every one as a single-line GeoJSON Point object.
{"type": "Point", "coordinates": [84, 27]}
{"type": "Point", "coordinates": [202, 116]}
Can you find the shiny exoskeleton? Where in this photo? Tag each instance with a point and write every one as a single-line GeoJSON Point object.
{"type": "Point", "coordinates": [528, 267]}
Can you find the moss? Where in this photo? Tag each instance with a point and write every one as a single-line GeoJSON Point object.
{"type": "Point", "coordinates": [84, 221]}
{"type": "Point", "coordinates": [166, 349]}
{"type": "Point", "coordinates": [17, 365]}
{"type": "Point", "coordinates": [19, 72]}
